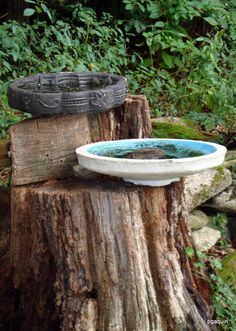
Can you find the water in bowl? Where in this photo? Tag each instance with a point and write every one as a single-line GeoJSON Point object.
{"type": "Point", "coordinates": [169, 151]}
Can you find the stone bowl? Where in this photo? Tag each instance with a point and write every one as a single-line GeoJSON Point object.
{"type": "Point", "coordinates": [67, 93]}
{"type": "Point", "coordinates": [181, 158]}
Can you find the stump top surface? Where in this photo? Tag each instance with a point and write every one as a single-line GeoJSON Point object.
{"type": "Point", "coordinates": [105, 184]}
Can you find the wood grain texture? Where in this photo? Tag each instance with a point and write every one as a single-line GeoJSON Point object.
{"type": "Point", "coordinates": [44, 148]}
{"type": "Point", "coordinates": [110, 256]}
{"type": "Point", "coordinates": [4, 147]}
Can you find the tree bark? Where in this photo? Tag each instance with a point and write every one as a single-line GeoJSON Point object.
{"type": "Point", "coordinates": [9, 312]}
{"type": "Point", "coordinates": [105, 255]}
{"type": "Point", "coordinates": [44, 148]}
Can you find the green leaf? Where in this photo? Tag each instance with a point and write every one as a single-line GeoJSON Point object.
{"type": "Point", "coordinates": [201, 255]}
{"type": "Point", "coordinates": [233, 15]}
{"type": "Point", "coordinates": [28, 12]}
{"type": "Point", "coordinates": [129, 6]}
{"type": "Point", "coordinates": [200, 39]}
{"type": "Point", "coordinates": [211, 21]}
{"type": "Point", "coordinates": [147, 62]}
{"type": "Point", "coordinates": [177, 32]}
{"type": "Point", "coordinates": [30, 1]}
{"type": "Point", "coordinates": [7, 65]}
{"type": "Point", "coordinates": [38, 9]}
{"type": "Point", "coordinates": [167, 59]}
{"type": "Point", "coordinates": [155, 10]}
{"type": "Point", "coordinates": [46, 10]}
{"type": "Point", "coordinates": [216, 263]}
{"type": "Point", "coordinates": [133, 58]}
{"type": "Point", "coordinates": [189, 251]}
{"type": "Point", "coordinates": [44, 7]}
{"type": "Point", "coordinates": [141, 7]}
{"type": "Point", "coordinates": [15, 52]}
{"type": "Point", "coordinates": [178, 62]}
{"type": "Point", "coordinates": [159, 24]}
{"type": "Point", "coordinates": [81, 67]}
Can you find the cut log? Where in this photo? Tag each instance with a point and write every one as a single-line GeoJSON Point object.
{"type": "Point", "coordinates": [105, 255]}
{"type": "Point", "coordinates": [44, 148]}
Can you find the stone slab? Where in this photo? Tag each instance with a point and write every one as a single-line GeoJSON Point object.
{"type": "Point", "coordinates": [205, 185]}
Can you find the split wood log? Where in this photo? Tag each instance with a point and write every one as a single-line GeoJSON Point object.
{"type": "Point", "coordinates": [106, 256]}
{"type": "Point", "coordinates": [44, 148]}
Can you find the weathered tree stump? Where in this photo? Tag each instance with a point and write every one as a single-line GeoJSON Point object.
{"type": "Point", "coordinates": [97, 254]}
{"type": "Point", "coordinates": [104, 256]}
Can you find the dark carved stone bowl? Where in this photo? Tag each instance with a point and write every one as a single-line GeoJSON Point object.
{"type": "Point", "coordinates": [67, 93]}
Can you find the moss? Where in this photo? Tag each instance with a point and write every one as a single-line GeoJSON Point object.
{"type": "Point", "coordinates": [228, 272]}
{"type": "Point", "coordinates": [173, 130]}
{"type": "Point", "coordinates": [204, 195]}
{"type": "Point", "coordinates": [219, 176]}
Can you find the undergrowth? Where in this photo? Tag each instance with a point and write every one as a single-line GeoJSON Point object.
{"type": "Point", "coordinates": [209, 266]}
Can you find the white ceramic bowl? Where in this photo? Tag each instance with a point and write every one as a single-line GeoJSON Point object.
{"type": "Point", "coordinates": [151, 172]}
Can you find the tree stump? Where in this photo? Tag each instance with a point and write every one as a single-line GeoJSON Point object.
{"type": "Point", "coordinates": [104, 255]}
{"type": "Point", "coordinates": [98, 254]}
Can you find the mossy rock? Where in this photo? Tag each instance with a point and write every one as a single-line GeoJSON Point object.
{"type": "Point", "coordinates": [173, 130]}
{"type": "Point", "coordinates": [228, 271]}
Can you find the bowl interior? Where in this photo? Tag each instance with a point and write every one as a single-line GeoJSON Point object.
{"type": "Point", "coordinates": [173, 149]}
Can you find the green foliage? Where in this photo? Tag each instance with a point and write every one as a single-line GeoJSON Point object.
{"type": "Point", "coordinates": [228, 272]}
{"type": "Point", "coordinates": [224, 301]}
{"type": "Point", "coordinates": [219, 222]}
{"type": "Point", "coordinates": [180, 54]}
{"type": "Point", "coordinates": [223, 293]}
{"type": "Point", "coordinates": [7, 118]}
{"type": "Point", "coordinates": [189, 251]}
{"type": "Point", "coordinates": [43, 47]}
{"type": "Point", "coordinates": [192, 71]}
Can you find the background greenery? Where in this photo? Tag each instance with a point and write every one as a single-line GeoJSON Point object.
{"type": "Point", "coordinates": [179, 53]}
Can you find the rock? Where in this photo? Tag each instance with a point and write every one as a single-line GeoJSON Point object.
{"type": "Point", "coordinates": [171, 119]}
{"type": "Point", "coordinates": [230, 160]}
{"type": "Point", "coordinates": [230, 163]}
{"type": "Point", "coordinates": [197, 219]}
{"type": "Point", "coordinates": [205, 185]}
{"type": "Point", "coordinates": [228, 271]}
{"type": "Point", "coordinates": [226, 201]}
{"type": "Point", "coordinates": [206, 238]}
{"type": "Point", "coordinates": [172, 127]}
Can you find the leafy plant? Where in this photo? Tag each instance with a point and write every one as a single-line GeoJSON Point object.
{"type": "Point", "coordinates": [180, 54]}
{"type": "Point", "coordinates": [193, 71]}
{"type": "Point", "coordinates": [223, 294]}
{"type": "Point", "coordinates": [220, 223]}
